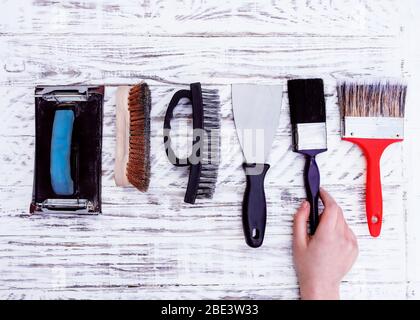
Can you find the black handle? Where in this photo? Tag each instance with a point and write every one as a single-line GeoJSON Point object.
{"type": "Point", "coordinates": [167, 128]}
{"type": "Point", "coordinates": [254, 208]}
{"type": "Point", "coordinates": [312, 181]}
{"type": "Point", "coordinates": [194, 160]}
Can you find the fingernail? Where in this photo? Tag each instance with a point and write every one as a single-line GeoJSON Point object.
{"type": "Point", "coordinates": [304, 204]}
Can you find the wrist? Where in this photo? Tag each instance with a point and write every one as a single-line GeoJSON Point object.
{"type": "Point", "coordinates": [320, 291]}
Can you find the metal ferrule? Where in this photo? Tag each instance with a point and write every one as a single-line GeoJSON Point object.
{"type": "Point", "coordinates": [373, 127]}
{"type": "Point", "coordinates": [79, 206]}
{"type": "Point", "coordinates": [310, 136]}
{"type": "Point", "coordinates": [63, 94]}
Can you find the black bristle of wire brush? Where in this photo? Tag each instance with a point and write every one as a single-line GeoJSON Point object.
{"type": "Point", "coordinates": [306, 100]}
{"type": "Point", "coordinates": [210, 153]}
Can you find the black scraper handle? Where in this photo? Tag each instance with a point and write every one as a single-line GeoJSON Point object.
{"type": "Point", "coordinates": [254, 207]}
{"type": "Point", "coordinates": [312, 181]}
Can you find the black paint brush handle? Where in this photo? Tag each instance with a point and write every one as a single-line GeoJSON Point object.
{"type": "Point", "coordinates": [254, 208]}
{"type": "Point", "coordinates": [312, 181]}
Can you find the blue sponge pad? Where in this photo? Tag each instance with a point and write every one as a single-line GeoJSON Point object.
{"type": "Point", "coordinates": [60, 169]}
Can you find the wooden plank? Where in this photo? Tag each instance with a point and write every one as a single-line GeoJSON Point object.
{"type": "Point", "coordinates": [119, 59]}
{"type": "Point", "coordinates": [348, 291]}
{"type": "Point", "coordinates": [387, 291]}
{"type": "Point", "coordinates": [202, 18]}
{"type": "Point", "coordinates": [413, 289]}
{"type": "Point", "coordinates": [145, 242]}
{"type": "Point", "coordinates": [120, 203]}
{"type": "Point", "coordinates": [18, 108]}
{"type": "Point", "coordinates": [411, 49]}
{"type": "Point", "coordinates": [343, 164]}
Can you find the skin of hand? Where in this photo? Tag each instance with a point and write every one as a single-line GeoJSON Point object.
{"type": "Point", "coordinates": [322, 260]}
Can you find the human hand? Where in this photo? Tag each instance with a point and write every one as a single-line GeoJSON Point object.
{"type": "Point", "coordinates": [322, 260]}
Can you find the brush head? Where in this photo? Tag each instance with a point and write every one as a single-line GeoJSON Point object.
{"type": "Point", "coordinates": [138, 165]}
{"type": "Point", "coordinates": [307, 114]}
{"type": "Point", "coordinates": [372, 99]}
{"type": "Point", "coordinates": [210, 152]}
{"type": "Point", "coordinates": [372, 109]}
{"type": "Point", "coordinates": [306, 100]}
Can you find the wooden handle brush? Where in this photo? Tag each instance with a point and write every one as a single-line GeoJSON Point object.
{"type": "Point", "coordinates": [132, 155]}
{"type": "Point", "coordinates": [373, 119]}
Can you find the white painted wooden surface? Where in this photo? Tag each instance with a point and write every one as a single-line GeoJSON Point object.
{"type": "Point", "coordinates": [153, 245]}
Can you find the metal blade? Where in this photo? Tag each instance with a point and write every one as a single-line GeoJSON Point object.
{"type": "Point", "coordinates": [256, 112]}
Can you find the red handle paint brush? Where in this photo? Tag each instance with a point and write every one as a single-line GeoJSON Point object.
{"type": "Point", "coordinates": [373, 118]}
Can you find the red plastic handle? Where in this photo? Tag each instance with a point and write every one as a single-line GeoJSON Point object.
{"type": "Point", "coordinates": [373, 149]}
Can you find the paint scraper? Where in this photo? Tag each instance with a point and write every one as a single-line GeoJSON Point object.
{"type": "Point", "coordinates": [256, 111]}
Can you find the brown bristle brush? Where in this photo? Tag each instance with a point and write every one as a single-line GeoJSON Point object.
{"type": "Point", "coordinates": [373, 118]}
{"type": "Point", "coordinates": [132, 156]}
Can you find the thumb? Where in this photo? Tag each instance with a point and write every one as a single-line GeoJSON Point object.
{"type": "Point", "coordinates": [300, 229]}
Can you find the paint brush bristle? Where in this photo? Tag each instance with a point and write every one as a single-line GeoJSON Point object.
{"type": "Point", "coordinates": [372, 99]}
{"type": "Point", "coordinates": [138, 165]}
{"type": "Point", "coordinates": [306, 100]}
{"type": "Point", "coordinates": [307, 114]}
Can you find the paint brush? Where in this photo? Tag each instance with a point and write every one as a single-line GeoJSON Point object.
{"type": "Point", "coordinates": [309, 134]}
{"type": "Point", "coordinates": [373, 118]}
